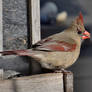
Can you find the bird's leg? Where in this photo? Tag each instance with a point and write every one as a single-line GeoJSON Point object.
{"type": "Point", "coordinates": [62, 70]}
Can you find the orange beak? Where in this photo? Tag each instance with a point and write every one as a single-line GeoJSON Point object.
{"type": "Point", "coordinates": [86, 35]}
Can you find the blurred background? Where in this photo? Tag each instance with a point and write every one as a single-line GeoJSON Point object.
{"type": "Point", "coordinates": [56, 16]}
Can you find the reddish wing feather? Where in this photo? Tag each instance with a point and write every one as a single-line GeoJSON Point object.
{"type": "Point", "coordinates": [67, 46]}
{"type": "Point", "coordinates": [58, 46]}
{"type": "Point", "coordinates": [14, 52]}
{"type": "Point", "coordinates": [46, 45]}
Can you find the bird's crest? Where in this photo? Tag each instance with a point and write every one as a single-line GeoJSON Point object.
{"type": "Point", "coordinates": [80, 18]}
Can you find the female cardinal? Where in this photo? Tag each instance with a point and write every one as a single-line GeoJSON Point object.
{"type": "Point", "coordinates": [59, 50]}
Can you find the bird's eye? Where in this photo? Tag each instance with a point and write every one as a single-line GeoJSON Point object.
{"type": "Point", "coordinates": [79, 32]}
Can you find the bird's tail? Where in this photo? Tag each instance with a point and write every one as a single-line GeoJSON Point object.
{"type": "Point", "coordinates": [13, 52]}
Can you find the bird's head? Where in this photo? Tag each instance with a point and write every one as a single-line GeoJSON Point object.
{"type": "Point", "coordinates": [79, 25]}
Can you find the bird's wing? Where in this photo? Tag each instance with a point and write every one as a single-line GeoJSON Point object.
{"type": "Point", "coordinates": [47, 44]}
{"type": "Point", "coordinates": [55, 45]}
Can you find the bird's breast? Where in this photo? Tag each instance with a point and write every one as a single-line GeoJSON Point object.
{"type": "Point", "coordinates": [58, 59]}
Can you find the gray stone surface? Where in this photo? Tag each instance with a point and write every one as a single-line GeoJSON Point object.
{"type": "Point", "coordinates": [15, 63]}
{"type": "Point", "coordinates": [14, 24]}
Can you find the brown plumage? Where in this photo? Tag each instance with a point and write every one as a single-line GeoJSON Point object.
{"type": "Point", "coordinates": [60, 50]}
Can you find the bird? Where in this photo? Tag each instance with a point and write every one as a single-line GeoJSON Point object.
{"type": "Point", "coordinates": [58, 51]}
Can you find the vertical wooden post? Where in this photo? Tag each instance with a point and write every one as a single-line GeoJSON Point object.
{"type": "Point", "coordinates": [34, 21]}
{"type": "Point", "coordinates": [1, 27]}
{"type": "Point", "coordinates": [68, 82]}
{"type": "Point", "coordinates": [1, 74]}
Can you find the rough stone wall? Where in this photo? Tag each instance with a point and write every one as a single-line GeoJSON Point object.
{"type": "Point", "coordinates": [15, 24]}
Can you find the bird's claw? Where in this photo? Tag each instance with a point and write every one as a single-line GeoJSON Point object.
{"type": "Point", "coordinates": [62, 71]}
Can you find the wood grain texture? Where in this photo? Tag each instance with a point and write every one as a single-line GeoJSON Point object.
{"type": "Point", "coordinates": [38, 83]}
{"type": "Point", "coordinates": [1, 74]}
{"type": "Point", "coordinates": [34, 20]}
{"type": "Point", "coordinates": [68, 82]}
{"type": "Point", "coordinates": [1, 27]}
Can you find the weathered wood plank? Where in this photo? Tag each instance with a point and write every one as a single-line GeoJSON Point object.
{"type": "Point", "coordinates": [1, 74]}
{"type": "Point", "coordinates": [34, 20]}
{"type": "Point", "coordinates": [1, 27]}
{"type": "Point", "coordinates": [38, 83]}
